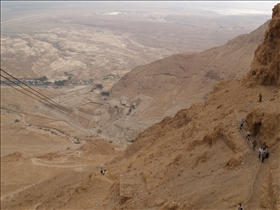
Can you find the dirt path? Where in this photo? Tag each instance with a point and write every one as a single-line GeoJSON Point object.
{"type": "Point", "coordinates": [104, 178]}
{"type": "Point", "coordinates": [35, 161]}
{"type": "Point", "coordinates": [12, 194]}
{"type": "Point", "coordinates": [255, 198]}
{"type": "Point", "coordinates": [249, 106]}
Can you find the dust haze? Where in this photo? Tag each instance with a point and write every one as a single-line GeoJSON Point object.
{"type": "Point", "coordinates": [94, 39]}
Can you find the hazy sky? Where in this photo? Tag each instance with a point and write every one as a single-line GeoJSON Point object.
{"type": "Point", "coordinates": [237, 7]}
{"type": "Point", "coordinates": [220, 7]}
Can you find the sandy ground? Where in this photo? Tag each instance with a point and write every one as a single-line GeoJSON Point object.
{"type": "Point", "coordinates": [43, 169]}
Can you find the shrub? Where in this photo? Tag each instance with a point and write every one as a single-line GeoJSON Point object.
{"type": "Point", "coordinates": [60, 82]}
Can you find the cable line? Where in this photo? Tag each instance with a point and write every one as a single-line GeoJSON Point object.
{"type": "Point", "coordinates": [62, 111]}
{"type": "Point", "coordinates": [10, 110]}
{"type": "Point", "coordinates": [69, 112]}
{"type": "Point", "coordinates": [31, 93]}
{"type": "Point", "coordinates": [35, 91]}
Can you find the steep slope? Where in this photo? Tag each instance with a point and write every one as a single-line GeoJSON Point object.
{"type": "Point", "coordinates": [162, 88]}
{"type": "Point", "coordinates": [181, 77]}
{"type": "Point", "coordinates": [198, 159]}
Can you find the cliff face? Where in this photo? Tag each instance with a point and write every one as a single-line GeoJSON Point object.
{"type": "Point", "coordinates": [265, 69]}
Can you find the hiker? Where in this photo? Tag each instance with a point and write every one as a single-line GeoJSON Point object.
{"type": "Point", "coordinates": [260, 97]}
{"type": "Point", "coordinates": [260, 152]}
{"type": "Point", "coordinates": [267, 153]}
{"type": "Point", "coordinates": [265, 149]}
{"type": "Point", "coordinates": [101, 171]}
{"type": "Point", "coordinates": [263, 154]}
{"type": "Point", "coordinates": [254, 144]}
{"type": "Point", "coordinates": [248, 135]}
{"type": "Point", "coordinates": [241, 124]}
{"type": "Point", "coordinates": [240, 207]}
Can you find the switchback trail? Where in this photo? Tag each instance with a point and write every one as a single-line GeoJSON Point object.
{"type": "Point", "coordinates": [35, 161]}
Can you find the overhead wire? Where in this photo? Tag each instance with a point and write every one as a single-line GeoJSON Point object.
{"type": "Point", "coordinates": [34, 98]}
{"type": "Point", "coordinates": [35, 91]}
{"type": "Point", "coordinates": [18, 112]}
{"type": "Point", "coordinates": [73, 115]}
{"type": "Point", "coordinates": [49, 103]}
{"type": "Point", "coordinates": [30, 92]}
{"type": "Point", "coordinates": [51, 106]}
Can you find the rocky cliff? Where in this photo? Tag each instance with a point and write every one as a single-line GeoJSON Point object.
{"type": "Point", "coordinates": [266, 66]}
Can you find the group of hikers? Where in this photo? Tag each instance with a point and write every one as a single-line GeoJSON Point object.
{"type": "Point", "coordinates": [263, 151]}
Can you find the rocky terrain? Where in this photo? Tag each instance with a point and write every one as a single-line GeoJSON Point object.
{"type": "Point", "coordinates": [163, 87]}
{"type": "Point", "coordinates": [196, 159]}
{"type": "Point", "coordinates": [266, 66]}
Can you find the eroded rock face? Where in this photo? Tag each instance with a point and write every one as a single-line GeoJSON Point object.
{"type": "Point", "coordinates": [265, 69]}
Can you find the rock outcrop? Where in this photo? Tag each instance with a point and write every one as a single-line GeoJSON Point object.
{"type": "Point", "coordinates": [265, 69]}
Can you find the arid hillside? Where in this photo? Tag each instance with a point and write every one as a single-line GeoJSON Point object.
{"type": "Point", "coordinates": [164, 87]}
{"type": "Point", "coordinates": [198, 159]}
{"type": "Point", "coordinates": [174, 82]}
{"type": "Point", "coordinates": [97, 40]}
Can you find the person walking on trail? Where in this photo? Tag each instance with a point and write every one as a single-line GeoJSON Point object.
{"type": "Point", "coordinates": [263, 154]}
{"type": "Point", "coordinates": [240, 207]}
{"type": "Point", "coordinates": [241, 124]}
{"type": "Point", "coordinates": [260, 152]}
{"type": "Point", "coordinates": [101, 171]}
{"type": "Point", "coordinates": [267, 153]}
{"type": "Point", "coordinates": [248, 134]}
{"type": "Point", "coordinates": [260, 97]}
{"type": "Point", "coordinates": [254, 144]}
{"type": "Point", "coordinates": [265, 149]}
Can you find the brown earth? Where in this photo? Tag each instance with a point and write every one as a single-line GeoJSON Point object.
{"type": "Point", "coordinates": [198, 159]}
{"type": "Point", "coordinates": [164, 87]}
{"type": "Point", "coordinates": [181, 75]}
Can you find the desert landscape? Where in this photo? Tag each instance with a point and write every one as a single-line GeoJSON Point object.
{"type": "Point", "coordinates": [92, 40]}
{"type": "Point", "coordinates": [152, 93]}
